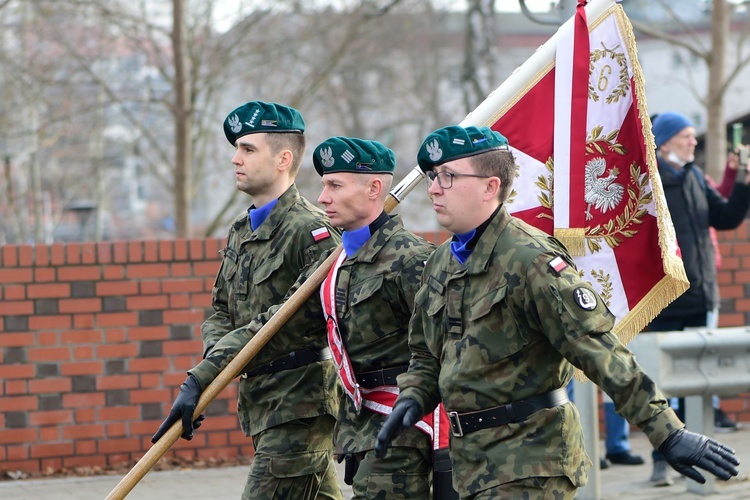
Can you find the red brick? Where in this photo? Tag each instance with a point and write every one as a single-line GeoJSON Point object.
{"type": "Point", "coordinates": [59, 322]}
{"type": "Point", "coordinates": [120, 252]}
{"type": "Point", "coordinates": [80, 305]}
{"type": "Point", "coordinates": [727, 320]}
{"type": "Point", "coordinates": [114, 335]}
{"type": "Point", "coordinates": [117, 319]}
{"type": "Point", "coordinates": [151, 380]}
{"type": "Point", "coordinates": [742, 305]}
{"type": "Point", "coordinates": [82, 368]}
{"type": "Point", "coordinates": [83, 320]}
{"type": "Point", "coordinates": [88, 253]}
{"type": "Point", "coordinates": [210, 268]}
{"type": "Point", "coordinates": [148, 271]}
{"type": "Point", "coordinates": [16, 387]}
{"type": "Point", "coordinates": [26, 255]}
{"type": "Point", "coordinates": [16, 371]}
{"type": "Point", "coordinates": [16, 436]}
{"type": "Point", "coordinates": [116, 430]}
{"type": "Point", "coordinates": [45, 275]}
{"type": "Point", "coordinates": [183, 317]}
{"type": "Point", "coordinates": [54, 463]}
{"type": "Point", "coordinates": [18, 451]}
{"type": "Point", "coordinates": [213, 245]}
{"type": "Point", "coordinates": [732, 292]}
{"type": "Point", "coordinates": [81, 336]}
{"type": "Point", "coordinates": [43, 354]}
{"type": "Point", "coordinates": [185, 363]}
{"type": "Point", "coordinates": [148, 333]}
{"type": "Point", "coordinates": [9, 256]}
{"type": "Point", "coordinates": [73, 253]}
{"type": "Point", "coordinates": [83, 431]}
{"type": "Point", "coordinates": [83, 400]}
{"type": "Point", "coordinates": [180, 270]}
{"type": "Point", "coordinates": [196, 249]}
{"type": "Point", "coordinates": [30, 466]}
{"type": "Point", "coordinates": [113, 272]}
{"type": "Point", "coordinates": [182, 347]}
{"type": "Point", "coordinates": [120, 459]}
{"type": "Point", "coordinates": [150, 251]}
{"type": "Point", "coordinates": [116, 288]}
{"type": "Point", "coordinates": [150, 287]}
{"type": "Point", "coordinates": [180, 250]}
{"type": "Point", "coordinates": [84, 461]}
{"type": "Point", "coordinates": [201, 300]}
{"type": "Point", "coordinates": [13, 292]}
{"type": "Point", "coordinates": [47, 338]}
{"type": "Point", "coordinates": [108, 382]}
{"type": "Point", "coordinates": [57, 254]}
{"type": "Point", "coordinates": [50, 385]}
{"type": "Point", "coordinates": [150, 396]}
{"type": "Point", "coordinates": [104, 252]}
{"type": "Point", "coordinates": [140, 303]}
{"type": "Point", "coordinates": [118, 413]}
{"type": "Point", "coordinates": [108, 351]}
{"type": "Point", "coordinates": [183, 285]}
{"type": "Point", "coordinates": [48, 291]}
{"type": "Point", "coordinates": [79, 273]}
{"type": "Point", "coordinates": [50, 417]}
{"type": "Point", "coordinates": [179, 301]}
{"type": "Point", "coordinates": [140, 365]}
{"type": "Point", "coordinates": [11, 339]}
{"type": "Point", "coordinates": [18, 307]}
{"type": "Point", "coordinates": [730, 263]}
{"type": "Point", "coordinates": [85, 447]}
{"type": "Point", "coordinates": [82, 353]}
{"type": "Point", "coordinates": [16, 275]}
{"type": "Point", "coordinates": [51, 450]}
{"type": "Point", "coordinates": [135, 251]}
{"type": "Point", "coordinates": [20, 403]}
{"type": "Point", "coordinates": [166, 250]}
{"type": "Point", "coordinates": [83, 415]}
{"type": "Point", "coordinates": [119, 445]}
{"type": "Point", "coordinates": [41, 255]}
{"type": "Point", "coordinates": [741, 248]}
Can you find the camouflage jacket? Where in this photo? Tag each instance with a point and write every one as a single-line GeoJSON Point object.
{"type": "Point", "coordinates": [506, 326]}
{"type": "Point", "coordinates": [260, 271]}
{"type": "Point", "coordinates": [374, 297]}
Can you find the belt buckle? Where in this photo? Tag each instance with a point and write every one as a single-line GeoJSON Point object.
{"type": "Point", "coordinates": [455, 424]}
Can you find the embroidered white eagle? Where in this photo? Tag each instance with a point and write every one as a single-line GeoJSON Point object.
{"type": "Point", "coordinates": [601, 191]}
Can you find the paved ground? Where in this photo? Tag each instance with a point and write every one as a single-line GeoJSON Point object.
{"type": "Point", "coordinates": [617, 482]}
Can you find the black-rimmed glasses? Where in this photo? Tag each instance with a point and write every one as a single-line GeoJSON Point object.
{"type": "Point", "coordinates": [445, 179]}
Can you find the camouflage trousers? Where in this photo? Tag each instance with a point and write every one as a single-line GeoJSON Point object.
{"type": "Point", "coordinates": [294, 461]}
{"type": "Point", "coordinates": [403, 473]}
{"type": "Point", "coordinates": [531, 488]}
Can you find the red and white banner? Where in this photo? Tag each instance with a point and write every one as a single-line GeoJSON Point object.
{"type": "Point", "coordinates": [575, 116]}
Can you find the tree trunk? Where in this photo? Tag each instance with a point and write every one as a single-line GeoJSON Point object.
{"type": "Point", "coordinates": [182, 113]}
{"type": "Point", "coordinates": [716, 132]}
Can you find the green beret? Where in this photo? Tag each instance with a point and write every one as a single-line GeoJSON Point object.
{"type": "Point", "coordinates": [259, 116]}
{"type": "Point", "coordinates": [454, 142]}
{"type": "Point", "coordinates": [348, 154]}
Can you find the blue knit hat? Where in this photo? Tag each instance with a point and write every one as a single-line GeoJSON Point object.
{"type": "Point", "coordinates": [667, 125]}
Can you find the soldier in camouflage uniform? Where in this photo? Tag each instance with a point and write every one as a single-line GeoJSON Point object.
{"type": "Point", "coordinates": [288, 393]}
{"type": "Point", "coordinates": [499, 323]}
{"type": "Point", "coordinates": [374, 286]}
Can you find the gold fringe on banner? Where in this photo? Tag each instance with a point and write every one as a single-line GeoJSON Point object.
{"type": "Point", "coordinates": [574, 239]}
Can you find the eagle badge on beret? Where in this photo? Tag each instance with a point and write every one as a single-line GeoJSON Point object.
{"type": "Point", "coordinates": [434, 150]}
{"type": "Point", "coordinates": [326, 157]}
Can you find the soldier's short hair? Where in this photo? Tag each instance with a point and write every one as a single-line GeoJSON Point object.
{"type": "Point", "coordinates": [497, 163]}
{"type": "Point", "coordinates": [296, 143]}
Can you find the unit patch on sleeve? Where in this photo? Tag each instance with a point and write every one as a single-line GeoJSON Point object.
{"type": "Point", "coordinates": [585, 298]}
{"type": "Point", "coordinates": [320, 234]}
{"type": "Point", "coordinates": [558, 264]}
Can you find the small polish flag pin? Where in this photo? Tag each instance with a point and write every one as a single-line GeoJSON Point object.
{"type": "Point", "coordinates": [320, 234]}
{"type": "Point", "coordinates": [558, 264]}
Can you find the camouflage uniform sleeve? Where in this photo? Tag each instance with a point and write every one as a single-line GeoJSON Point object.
{"type": "Point", "coordinates": [304, 327]}
{"type": "Point", "coordinates": [420, 382]}
{"type": "Point", "coordinates": [219, 323]}
{"type": "Point", "coordinates": [579, 325]}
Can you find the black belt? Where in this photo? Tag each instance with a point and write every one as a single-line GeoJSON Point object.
{"type": "Point", "coordinates": [294, 359]}
{"type": "Point", "coordinates": [517, 411]}
{"type": "Point", "coordinates": [377, 378]}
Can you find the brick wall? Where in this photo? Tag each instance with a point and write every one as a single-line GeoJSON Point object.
{"type": "Point", "coordinates": [95, 339]}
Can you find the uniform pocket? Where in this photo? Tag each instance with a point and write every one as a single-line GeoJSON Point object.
{"type": "Point", "coordinates": [267, 268]}
{"type": "Point", "coordinates": [368, 301]}
{"type": "Point", "coordinates": [493, 324]}
{"type": "Point", "coordinates": [299, 464]}
{"type": "Point", "coordinates": [429, 301]}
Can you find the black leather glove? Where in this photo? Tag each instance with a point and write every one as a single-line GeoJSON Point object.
{"type": "Point", "coordinates": [183, 408]}
{"type": "Point", "coordinates": [405, 414]}
{"type": "Point", "coordinates": [683, 449]}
